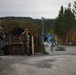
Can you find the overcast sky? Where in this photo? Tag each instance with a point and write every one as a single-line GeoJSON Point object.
{"type": "Point", "coordinates": [32, 8]}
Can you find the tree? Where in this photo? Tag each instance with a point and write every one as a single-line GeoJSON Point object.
{"type": "Point", "coordinates": [69, 20]}
{"type": "Point", "coordinates": [64, 23]}
{"type": "Point", "coordinates": [74, 8]}
{"type": "Point", "coordinates": [59, 28]}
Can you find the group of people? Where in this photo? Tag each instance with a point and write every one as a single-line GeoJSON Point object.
{"type": "Point", "coordinates": [24, 39]}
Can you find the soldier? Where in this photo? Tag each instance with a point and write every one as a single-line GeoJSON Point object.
{"type": "Point", "coordinates": [25, 40]}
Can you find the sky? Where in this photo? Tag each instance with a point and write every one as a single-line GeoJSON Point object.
{"type": "Point", "coordinates": [32, 8]}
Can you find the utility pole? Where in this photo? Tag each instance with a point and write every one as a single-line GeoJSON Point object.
{"type": "Point", "coordinates": [42, 26]}
{"type": "Point", "coordinates": [42, 29]}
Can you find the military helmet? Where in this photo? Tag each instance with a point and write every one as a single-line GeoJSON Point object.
{"type": "Point", "coordinates": [26, 29]}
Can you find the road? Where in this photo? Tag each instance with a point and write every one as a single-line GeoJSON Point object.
{"type": "Point", "coordinates": [69, 50]}
{"type": "Point", "coordinates": [40, 64]}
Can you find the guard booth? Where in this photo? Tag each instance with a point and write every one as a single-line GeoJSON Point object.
{"type": "Point", "coordinates": [14, 44]}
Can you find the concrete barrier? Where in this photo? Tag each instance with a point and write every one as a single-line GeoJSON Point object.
{"type": "Point", "coordinates": [60, 48]}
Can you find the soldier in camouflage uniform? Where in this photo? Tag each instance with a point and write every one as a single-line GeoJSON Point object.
{"type": "Point", "coordinates": [25, 40]}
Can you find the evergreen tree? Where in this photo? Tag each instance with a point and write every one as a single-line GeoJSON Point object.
{"type": "Point", "coordinates": [69, 20]}
{"type": "Point", "coordinates": [74, 8]}
{"type": "Point", "coordinates": [64, 23]}
{"type": "Point", "coordinates": [59, 27]}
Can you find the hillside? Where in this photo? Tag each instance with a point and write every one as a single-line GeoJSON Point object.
{"type": "Point", "coordinates": [12, 22]}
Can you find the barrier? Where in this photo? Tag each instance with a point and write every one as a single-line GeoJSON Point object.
{"type": "Point", "coordinates": [60, 48]}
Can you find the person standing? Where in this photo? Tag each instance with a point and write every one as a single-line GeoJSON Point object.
{"type": "Point", "coordinates": [2, 37]}
{"type": "Point", "coordinates": [25, 41]}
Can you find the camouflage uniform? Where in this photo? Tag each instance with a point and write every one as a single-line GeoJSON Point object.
{"type": "Point", "coordinates": [25, 40]}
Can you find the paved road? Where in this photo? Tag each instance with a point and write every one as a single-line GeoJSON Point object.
{"type": "Point", "coordinates": [38, 65]}
{"type": "Point", "coordinates": [69, 50]}
{"type": "Point", "coordinates": [52, 64]}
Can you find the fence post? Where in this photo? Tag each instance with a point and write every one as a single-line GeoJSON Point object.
{"type": "Point", "coordinates": [32, 45]}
